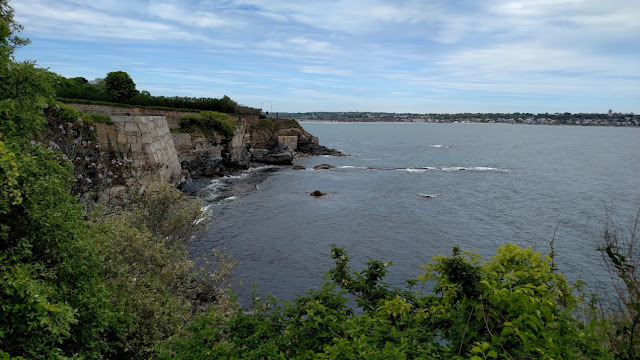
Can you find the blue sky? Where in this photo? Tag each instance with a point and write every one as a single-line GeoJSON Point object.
{"type": "Point", "coordinates": [417, 56]}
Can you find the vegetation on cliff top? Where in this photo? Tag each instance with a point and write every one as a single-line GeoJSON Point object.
{"type": "Point", "coordinates": [118, 89]}
{"type": "Point", "coordinates": [208, 121]}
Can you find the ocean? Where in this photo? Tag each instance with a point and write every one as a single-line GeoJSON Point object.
{"type": "Point", "coordinates": [408, 192]}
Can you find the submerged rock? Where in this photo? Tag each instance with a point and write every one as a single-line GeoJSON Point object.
{"type": "Point", "coordinates": [323, 167]}
{"type": "Point", "coordinates": [299, 167]}
{"type": "Point", "coordinates": [317, 193]}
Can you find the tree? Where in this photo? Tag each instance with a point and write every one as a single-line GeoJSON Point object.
{"type": "Point", "coordinates": [119, 86]}
{"type": "Point", "coordinates": [9, 40]}
{"type": "Point", "coordinates": [51, 299]}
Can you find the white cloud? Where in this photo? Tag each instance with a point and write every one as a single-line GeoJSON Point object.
{"type": "Point", "coordinates": [82, 23]}
{"type": "Point", "coordinates": [179, 13]}
{"type": "Point", "coordinates": [310, 45]}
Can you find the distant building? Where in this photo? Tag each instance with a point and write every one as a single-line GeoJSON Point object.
{"type": "Point", "coordinates": [610, 112]}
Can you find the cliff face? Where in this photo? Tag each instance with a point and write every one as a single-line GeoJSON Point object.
{"type": "Point", "coordinates": [158, 152]}
{"type": "Point", "coordinates": [255, 140]}
{"type": "Point", "coordinates": [216, 155]}
{"type": "Point", "coordinates": [147, 141]}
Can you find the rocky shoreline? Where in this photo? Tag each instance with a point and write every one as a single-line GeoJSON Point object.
{"type": "Point", "coordinates": [216, 156]}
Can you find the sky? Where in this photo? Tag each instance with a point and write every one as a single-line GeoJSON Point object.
{"type": "Point", "coordinates": [416, 56]}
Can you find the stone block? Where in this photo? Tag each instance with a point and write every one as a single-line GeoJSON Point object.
{"type": "Point", "coordinates": [130, 126]}
{"type": "Point", "coordinates": [136, 147]}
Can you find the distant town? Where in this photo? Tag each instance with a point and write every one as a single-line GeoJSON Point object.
{"type": "Point", "coordinates": [606, 119]}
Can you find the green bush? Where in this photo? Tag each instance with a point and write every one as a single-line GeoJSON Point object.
{"type": "Point", "coordinates": [98, 118]}
{"type": "Point", "coordinates": [277, 124]}
{"type": "Point", "coordinates": [209, 121]}
{"type": "Point", "coordinates": [513, 306]}
{"type": "Point", "coordinates": [53, 301]}
{"type": "Point", "coordinates": [267, 124]}
{"type": "Point", "coordinates": [153, 285]}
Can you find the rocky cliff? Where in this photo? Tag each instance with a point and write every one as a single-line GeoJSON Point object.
{"type": "Point", "coordinates": [267, 141]}
{"type": "Point", "coordinates": [174, 154]}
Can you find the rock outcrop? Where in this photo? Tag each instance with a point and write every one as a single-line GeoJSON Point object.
{"type": "Point", "coordinates": [189, 152]}
{"type": "Point", "coordinates": [323, 167]}
{"type": "Point", "coordinates": [254, 141]}
{"type": "Point", "coordinates": [215, 155]}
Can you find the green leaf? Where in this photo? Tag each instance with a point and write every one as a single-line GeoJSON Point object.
{"type": "Point", "coordinates": [506, 331]}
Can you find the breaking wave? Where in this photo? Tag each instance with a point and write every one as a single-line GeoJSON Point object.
{"type": "Point", "coordinates": [427, 168]}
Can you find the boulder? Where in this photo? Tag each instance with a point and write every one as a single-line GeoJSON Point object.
{"type": "Point", "coordinates": [299, 167]}
{"type": "Point", "coordinates": [317, 193]}
{"type": "Point", "coordinates": [323, 167]}
{"type": "Point", "coordinates": [273, 158]}
{"type": "Point", "coordinates": [307, 145]}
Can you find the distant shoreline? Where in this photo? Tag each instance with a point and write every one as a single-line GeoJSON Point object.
{"type": "Point", "coordinates": [462, 123]}
{"type": "Point", "coordinates": [584, 119]}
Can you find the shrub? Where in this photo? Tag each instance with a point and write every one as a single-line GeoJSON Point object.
{"type": "Point", "coordinates": [267, 124]}
{"type": "Point", "coordinates": [209, 121]}
{"type": "Point", "coordinates": [619, 252]}
{"type": "Point", "coordinates": [512, 306]}
{"type": "Point", "coordinates": [53, 302]}
{"type": "Point", "coordinates": [73, 135]}
{"type": "Point", "coordinates": [154, 286]}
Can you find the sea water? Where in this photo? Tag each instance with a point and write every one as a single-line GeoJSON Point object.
{"type": "Point", "coordinates": [408, 192]}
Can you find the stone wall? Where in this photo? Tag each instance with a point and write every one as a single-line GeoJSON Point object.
{"type": "Point", "coordinates": [173, 117]}
{"type": "Point", "coordinates": [147, 141]}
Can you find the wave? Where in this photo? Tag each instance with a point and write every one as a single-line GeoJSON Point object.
{"type": "Point", "coordinates": [430, 196]}
{"type": "Point", "coordinates": [424, 169]}
{"type": "Point", "coordinates": [418, 170]}
{"type": "Point", "coordinates": [475, 168]}
{"type": "Point", "coordinates": [353, 167]}
{"type": "Point", "coordinates": [439, 146]}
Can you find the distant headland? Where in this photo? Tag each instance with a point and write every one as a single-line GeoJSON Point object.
{"type": "Point", "coordinates": [606, 119]}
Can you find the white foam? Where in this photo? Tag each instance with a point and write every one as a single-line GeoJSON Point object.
{"type": "Point", "coordinates": [258, 168]}
{"type": "Point", "coordinates": [352, 167]}
{"type": "Point", "coordinates": [430, 196]}
{"type": "Point", "coordinates": [475, 168]}
{"type": "Point", "coordinates": [453, 168]}
{"type": "Point", "coordinates": [483, 168]}
{"type": "Point", "coordinates": [230, 198]}
{"type": "Point", "coordinates": [415, 170]}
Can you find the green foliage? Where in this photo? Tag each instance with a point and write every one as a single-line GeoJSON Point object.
{"type": "Point", "coordinates": [24, 91]}
{"type": "Point", "coordinates": [51, 298]}
{"type": "Point", "coordinates": [98, 118]}
{"type": "Point", "coordinates": [209, 121]}
{"type": "Point", "coordinates": [153, 285]}
{"type": "Point", "coordinates": [119, 86]}
{"type": "Point", "coordinates": [267, 124]}
{"type": "Point", "coordinates": [72, 88]}
{"type": "Point", "coordinates": [512, 306]}
{"type": "Point", "coordinates": [9, 29]}
{"type": "Point", "coordinates": [9, 191]}
{"type": "Point", "coordinates": [94, 92]}
{"type": "Point", "coordinates": [617, 249]}
{"type": "Point", "coordinates": [277, 124]}
{"type": "Point", "coordinates": [94, 168]}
